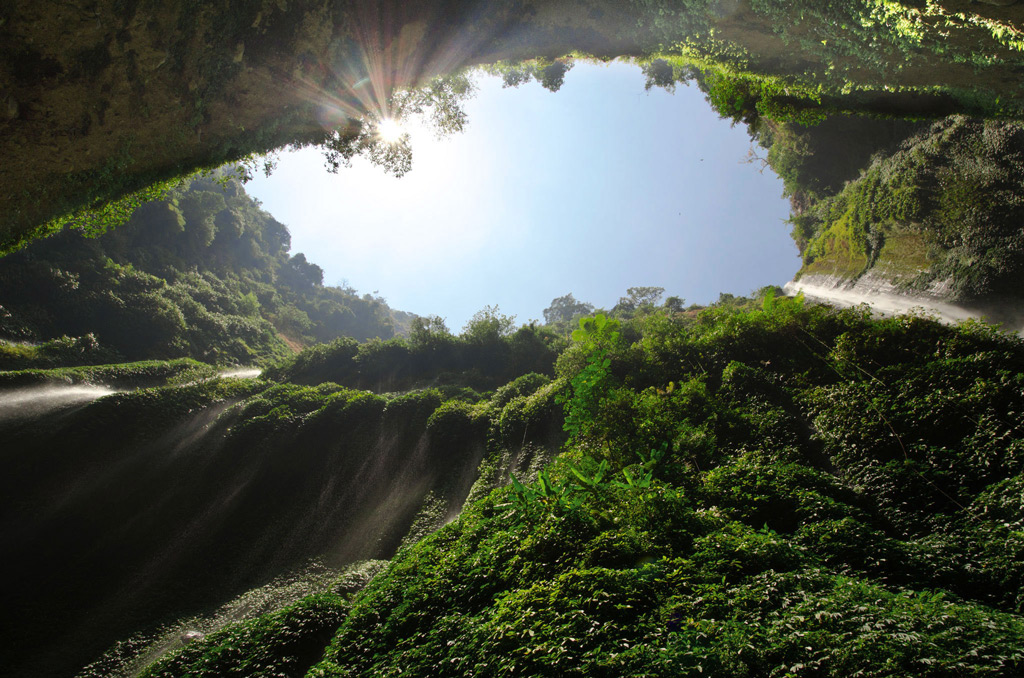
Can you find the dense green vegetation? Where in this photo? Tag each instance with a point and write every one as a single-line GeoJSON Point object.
{"type": "Point", "coordinates": [341, 473]}
{"type": "Point", "coordinates": [761, 491]}
{"type": "Point", "coordinates": [204, 273]}
{"type": "Point", "coordinates": [488, 354]}
{"type": "Point", "coordinates": [761, 488]}
{"type": "Point", "coordinates": [786, 492]}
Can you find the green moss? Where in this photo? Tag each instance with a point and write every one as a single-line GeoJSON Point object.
{"type": "Point", "coordinates": [904, 256]}
{"type": "Point", "coordinates": [837, 251]}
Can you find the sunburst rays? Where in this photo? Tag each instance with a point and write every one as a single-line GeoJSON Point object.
{"type": "Point", "coordinates": [388, 47]}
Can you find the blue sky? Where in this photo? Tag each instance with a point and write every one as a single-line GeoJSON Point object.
{"type": "Point", "coordinates": [590, 190]}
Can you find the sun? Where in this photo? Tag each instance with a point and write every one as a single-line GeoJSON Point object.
{"type": "Point", "coordinates": [390, 130]}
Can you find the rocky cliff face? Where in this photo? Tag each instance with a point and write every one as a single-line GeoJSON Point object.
{"type": "Point", "coordinates": [936, 221]}
{"type": "Point", "coordinates": [100, 99]}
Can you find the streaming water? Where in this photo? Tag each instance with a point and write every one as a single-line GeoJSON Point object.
{"type": "Point", "coordinates": [880, 301]}
{"type": "Point", "coordinates": [241, 373]}
{"type": "Point", "coordinates": [172, 511]}
{"type": "Point", "coordinates": [33, 401]}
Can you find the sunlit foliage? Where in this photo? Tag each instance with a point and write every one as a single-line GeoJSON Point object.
{"type": "Point", "coordinates": [762, 484]}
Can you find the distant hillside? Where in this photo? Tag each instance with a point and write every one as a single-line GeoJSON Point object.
{"type": "Point", "coordinates": [204, 274]}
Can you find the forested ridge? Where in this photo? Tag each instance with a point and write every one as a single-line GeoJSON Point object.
{"type": "Point", "coordinates": [203, 273]}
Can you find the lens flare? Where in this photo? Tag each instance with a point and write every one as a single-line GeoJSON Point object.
{"type": "Point", "coordinates": [391, 47]}
{"type": "Point", "coordinates": [390, 131]}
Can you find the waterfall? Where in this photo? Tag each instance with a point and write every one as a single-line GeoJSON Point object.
{"type": "Point", "coordinates": [885, 299]}
{"type": "Point", "coordinates": [34, 401]}
{"type": "Point", "coordinates": [161, 502]}
{"type": "Point", "coordinates": [241, 373]}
